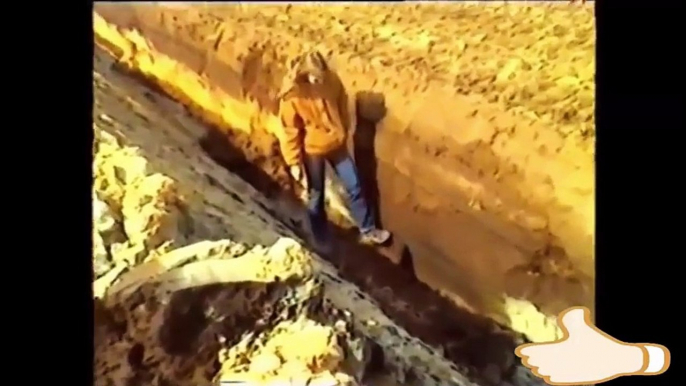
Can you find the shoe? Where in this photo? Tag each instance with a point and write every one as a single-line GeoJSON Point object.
{"type": "Point", "coordinates": [375, 237]}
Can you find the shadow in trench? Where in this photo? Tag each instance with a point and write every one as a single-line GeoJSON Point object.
{"type": "Point", "coordinates": [407, 261]}
{"type": "Point", "coordinates": [194, 318]}
{"type": "Point", "coordinates": [371, 109]}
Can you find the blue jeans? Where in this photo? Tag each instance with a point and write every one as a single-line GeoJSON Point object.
{"type": "Point", "coordinates": [343, 165]}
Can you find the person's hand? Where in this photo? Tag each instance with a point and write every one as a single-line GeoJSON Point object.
{"type": "Point", "coordinates": [586, 355]}
{"type": "Point", "coordinates": [296, 172]}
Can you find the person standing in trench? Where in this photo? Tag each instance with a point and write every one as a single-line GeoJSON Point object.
{"type": "Point", "coordinates": [313, 107]}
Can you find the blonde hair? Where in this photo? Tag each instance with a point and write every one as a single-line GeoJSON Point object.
{"type": "Point", "coordinates": [310, 63]}
{"type": "Point", "coordinates": [313, 60]}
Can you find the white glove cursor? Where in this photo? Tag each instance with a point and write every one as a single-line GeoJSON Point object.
{"type": "Point", "coordinates": [586, 355]}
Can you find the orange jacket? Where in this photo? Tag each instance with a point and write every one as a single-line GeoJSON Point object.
{"type": "Point", "coordinates": [315, 119]}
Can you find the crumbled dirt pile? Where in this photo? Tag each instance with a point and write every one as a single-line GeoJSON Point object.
{"type": "Point", "coordinates": [195, 280]}
{"type": "Point", "coordinates": [136, 215]}
{"type": "Point", "coordinates": [258, 316]}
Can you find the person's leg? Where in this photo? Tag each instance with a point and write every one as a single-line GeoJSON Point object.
{"type": "Point", "coordinates": [345, 168]}
{"type": "Point", "coordinates": [315, 168]}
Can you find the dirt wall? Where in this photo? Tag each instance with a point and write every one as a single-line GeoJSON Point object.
{"type": "Point", "coordinates": [489, 114]}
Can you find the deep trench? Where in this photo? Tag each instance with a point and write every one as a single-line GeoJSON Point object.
{"type": "Point", "coordinates": [401, 277]}
{"type": "Point", "coordinates": [387, 273]}
{"type": "Point", "coordinates": [438, 239]}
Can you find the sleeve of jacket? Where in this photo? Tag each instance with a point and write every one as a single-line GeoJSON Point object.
{"type": "Point", "coordinates": [290, 140]}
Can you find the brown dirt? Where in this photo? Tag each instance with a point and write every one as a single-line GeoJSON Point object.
{"type": "Point", "coordinates": [488, 188]}
{"type": "Point", "coordinates": [474, 342]}
{"type": "Point", "coordinates": [160, 131]}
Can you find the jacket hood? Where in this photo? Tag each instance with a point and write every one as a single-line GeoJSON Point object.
{"type": "Point", "coordinates": [310, 64]}
{"type": "Point", "coordinates": [313, 64]}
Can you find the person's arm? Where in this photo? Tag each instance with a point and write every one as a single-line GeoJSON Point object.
{"type": "Point", "coordinates": [290, 140]}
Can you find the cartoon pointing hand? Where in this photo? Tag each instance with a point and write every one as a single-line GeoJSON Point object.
{"type": "Point", "coordinates": [586, 355]}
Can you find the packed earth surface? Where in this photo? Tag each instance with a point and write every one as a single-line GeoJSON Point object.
{"type": "Point", "coordinates": [474, 137]}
